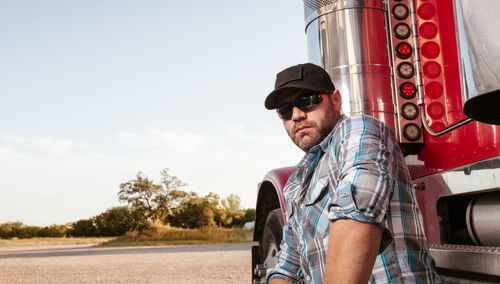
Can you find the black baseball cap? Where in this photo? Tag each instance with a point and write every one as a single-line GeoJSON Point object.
{"type": "Point", "coordinates": [299, 78]}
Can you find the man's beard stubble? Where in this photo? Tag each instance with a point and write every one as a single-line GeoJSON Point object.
{"type": "Point", "coordinates": [321, 131]}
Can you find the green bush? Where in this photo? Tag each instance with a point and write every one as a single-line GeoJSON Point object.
{"type": "Point", "coordinates": [83, 228]}
{"type": "Point", "coordinates": [115, 221]}
{"type": "Point", "coordinates": [53, 231]}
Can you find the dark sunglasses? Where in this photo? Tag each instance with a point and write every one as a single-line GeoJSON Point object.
{"type": "Point", "coordinates": [304, 103]}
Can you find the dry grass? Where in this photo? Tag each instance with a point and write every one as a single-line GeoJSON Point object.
{"type": "Point", "coordinates": [176, 236]}
{"type": "Point", "coordinates": [51, 241]}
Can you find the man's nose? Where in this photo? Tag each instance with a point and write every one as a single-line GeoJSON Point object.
{"type": "Point", "coordinates": [298, 115]}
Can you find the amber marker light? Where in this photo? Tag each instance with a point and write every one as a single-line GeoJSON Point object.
{"type": "Point", "coordinates": [400, 12]}
{"type": "Point", "coordinates": [402, 31]}
{"type": "Point", "coordinates": [409, 111]}
{"type": "Point", "coordinates": [412, 132]}
{"type": "Point", "coordinates": [405, 70]}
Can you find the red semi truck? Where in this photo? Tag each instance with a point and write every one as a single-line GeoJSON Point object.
{"type": "Point", "coordinates": [431, 70]}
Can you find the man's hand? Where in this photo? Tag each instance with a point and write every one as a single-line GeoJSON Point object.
{"type": "Point", "coordinates": [352, 249]}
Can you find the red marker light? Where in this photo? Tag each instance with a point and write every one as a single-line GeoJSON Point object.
{"type": "Point", "coordinates": [428, 30]}
{"type": "Point", "coordinates": [430, 50]}
{"type": "Point", "coordinates": [435, 110]}
{"type": "Point", "coordinates": [403, 50]}
{"type": "Point", "coordinates": [407, 90]}
{"type": "Point", "coordinates": [432, 69]}
{"type": "Point", "coordinates": [433, 90]}
{"type": "Point", "coordinates": [426, 11]}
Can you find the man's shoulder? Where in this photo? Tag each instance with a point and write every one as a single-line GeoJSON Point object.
{"type": "Point", "coordinates": [355, 128]}
{"type": "Point", "coordinates": [363, 122]}
{"type": "Point", "coordinates": [363, 119]}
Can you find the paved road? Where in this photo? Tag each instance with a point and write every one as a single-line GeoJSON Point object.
{"type": "Point", "coordinates": [87, 264]}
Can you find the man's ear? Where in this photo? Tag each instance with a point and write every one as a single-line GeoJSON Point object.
{"type": "Point", "coordinates": [336, 100]}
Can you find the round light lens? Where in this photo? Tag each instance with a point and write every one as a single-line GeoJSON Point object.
{"type": "Point", "coordinates": [426, 11]}
{"type": "Point", "coordinates": [435, 110]}
{"type": "Point", "coordinates": [428, 30]}
{"type": "Point", "coordinates": [402, 31]}
{"type": "Point", "coordinates": [409, 111]}
{"type": "Point", "coordinates": [412, 132]}
{"type": "Point", "coordinates": [430, 49]}
{"type": "Point", "coordinates": [432, 69]}
{"type": "Point", "coordinates": [434, 90]}
{"type": "Point", "coordinates": [405, 70]}
{"type": "Point", "coordinates": [400, 11]}
{"type": "Point", "coordinates": [407, 90]}
{"type": "Point", "coordinates": [403, 50]}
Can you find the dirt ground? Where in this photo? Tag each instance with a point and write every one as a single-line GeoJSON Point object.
{"type": "Point", "coordinates": [87, 264]}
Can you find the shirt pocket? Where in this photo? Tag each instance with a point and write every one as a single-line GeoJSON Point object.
{"type": "Point", "coordinates": [316, 209]}
{"type": "Point", "coordinates": [317, 191]}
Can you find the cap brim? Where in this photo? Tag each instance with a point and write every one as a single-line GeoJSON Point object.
{"type": "Point", "coordinates": [272, 99]}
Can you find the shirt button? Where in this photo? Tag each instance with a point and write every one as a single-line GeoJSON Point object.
{"type": "Point", "coordinates": [308, 278]}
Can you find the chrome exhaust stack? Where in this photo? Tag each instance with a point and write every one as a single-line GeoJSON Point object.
{"type": "Point", "coordinates": [479, 49]}
{"type": "Point", "coordinates": [348, 38]}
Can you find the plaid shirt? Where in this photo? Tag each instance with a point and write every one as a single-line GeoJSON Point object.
{"type": "Point", "coordinates": [357, 172]}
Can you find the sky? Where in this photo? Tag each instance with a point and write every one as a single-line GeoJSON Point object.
{"type": "Point", "coordinates": [92, 92]}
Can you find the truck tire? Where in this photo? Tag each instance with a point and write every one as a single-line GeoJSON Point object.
{"type": "Point", "coordinates": [271, 237]}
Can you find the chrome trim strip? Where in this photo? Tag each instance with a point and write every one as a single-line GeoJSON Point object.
{"type": "Point", "coordinates": [476, 259]}
{"type": "Point", "coordinates": [444, 131]}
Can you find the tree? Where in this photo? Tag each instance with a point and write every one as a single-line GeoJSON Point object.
{"type": "Point", "coordinates": [249, 215]}
{"type": "Point", "coordinates": [170, 182]}
{"type": "Point", "coordinates": [115, 221]}
{"type": "Point", "coordinates": [172, 197]}
{"type": "Point", "coordinates": [231, 213]}
{"type": "Point", "coordinates": [140, 193]}
{"type": "Point", "coordinates": [195, 212]}
{"type": "Point", "coordinates": [155, 201]}
{"type": "Point", "coordinates": [83, 228]}
{"type": "Point", "coordinates": [10, 229]}
{"type": "Point", "coordinates": [53, 231]}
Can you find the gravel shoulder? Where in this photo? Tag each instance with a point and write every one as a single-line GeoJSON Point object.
{"type": "Point", "coordinates": [88, 264]}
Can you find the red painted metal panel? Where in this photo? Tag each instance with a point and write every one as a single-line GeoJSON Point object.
{"type": "Point", "coordinates": [443, 107]}
{"type": "Point", "coordinates": [468, 144]}
{"type": "Point", "coordinates": [279, 177]}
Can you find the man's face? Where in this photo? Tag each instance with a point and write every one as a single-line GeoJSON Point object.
{"type": "Point", "coordinates": [309, 128]}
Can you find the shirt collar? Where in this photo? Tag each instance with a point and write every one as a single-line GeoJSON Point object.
{"type": "Point", "coordinates": [323, 146]}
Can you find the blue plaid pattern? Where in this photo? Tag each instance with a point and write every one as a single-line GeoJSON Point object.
{"type": "Point", "coordinates": [357, 172]}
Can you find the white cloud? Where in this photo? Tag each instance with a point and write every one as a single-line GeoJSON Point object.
{"type": "Point", "coordinates": [50, 144]}
{"type": "Point", "coordinates": [154, 138]}
{"type": "Point", "coordinates": [225, 159]}
{"type": "Point", "coordinates": [41, 189]}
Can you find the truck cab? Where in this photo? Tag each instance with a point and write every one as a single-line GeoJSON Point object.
{"type": "Point", "coordinates": [430, 70]}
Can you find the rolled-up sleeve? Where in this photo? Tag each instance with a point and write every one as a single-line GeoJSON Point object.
{"type": "Point", "coordinates": [365, 182]}
{"type": "Point", "coordinates": [288, 264]}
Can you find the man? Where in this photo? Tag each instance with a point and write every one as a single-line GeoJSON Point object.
{"type": "Point", "coordinates": [351, 212]}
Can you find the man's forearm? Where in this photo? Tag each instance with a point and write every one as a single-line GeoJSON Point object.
{"type": "Point", "coordinates": [278, 281]}
{"type": "Point", "coordinates": [352, 249]}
